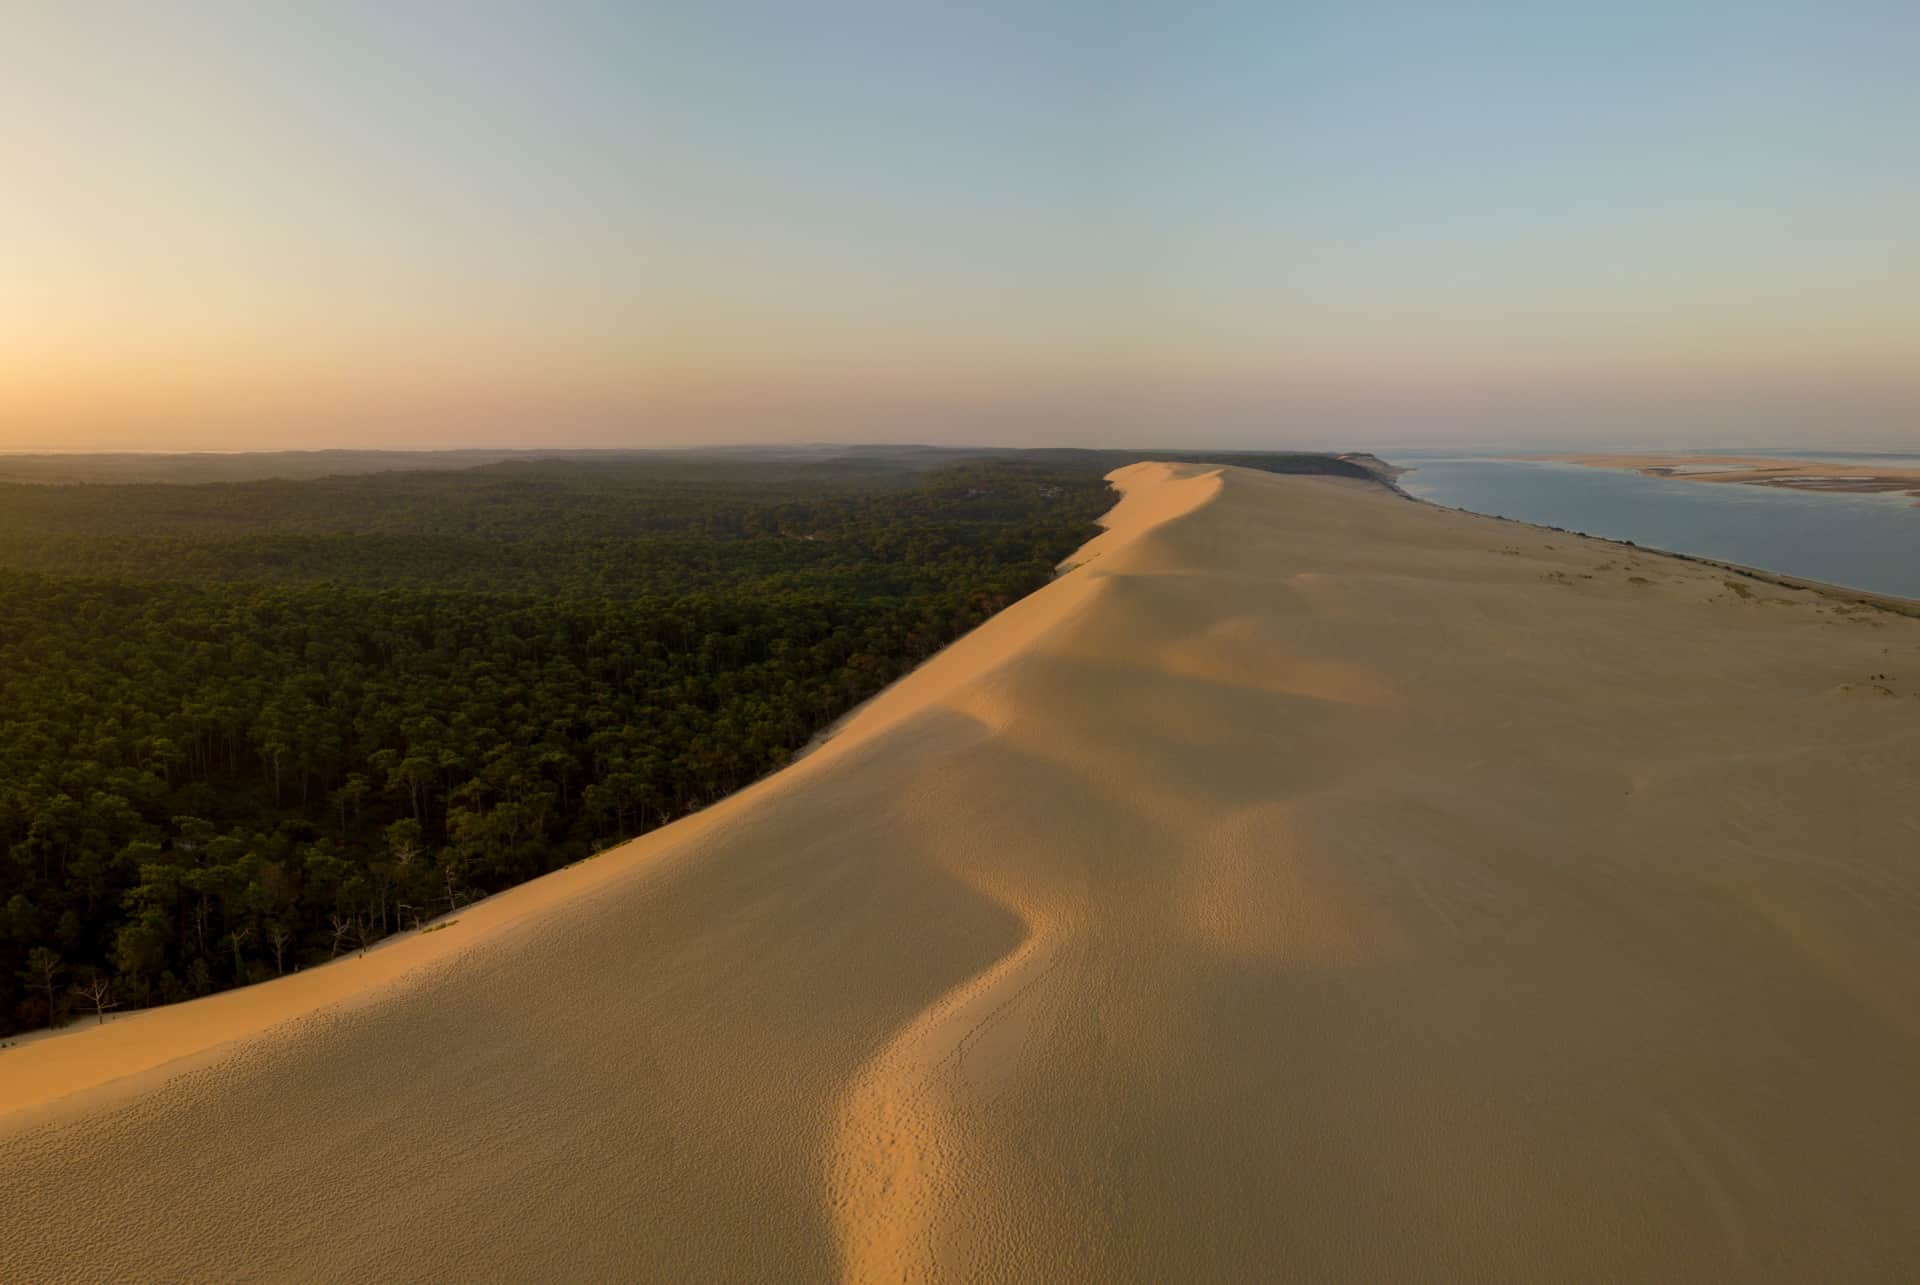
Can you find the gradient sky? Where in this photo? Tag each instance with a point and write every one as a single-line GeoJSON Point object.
{"type": "Point", "coordinates": [265, 224]}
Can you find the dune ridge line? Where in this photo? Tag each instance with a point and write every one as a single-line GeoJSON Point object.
{"type": "Point", "coordinates": [1306, 885]}
{"type": "Point", "coordinates": [43, 1070]}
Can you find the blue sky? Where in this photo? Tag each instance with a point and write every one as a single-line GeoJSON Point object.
{"type": "Point", "coordinates": [262, 224]}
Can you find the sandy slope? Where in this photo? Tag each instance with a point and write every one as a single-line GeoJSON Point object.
{"type": "Point", "coordinates": [1312, 885]}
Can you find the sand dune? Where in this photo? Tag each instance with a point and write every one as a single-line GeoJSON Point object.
{"type": "Point", "coordinates": [1309, 885]}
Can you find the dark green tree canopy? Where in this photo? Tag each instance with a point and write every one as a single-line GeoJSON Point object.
{"type": "Point", "coordinates": [246, 726]}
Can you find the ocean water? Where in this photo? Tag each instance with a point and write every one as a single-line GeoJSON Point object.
{"type": "Point", "coordinates": [1863, 541]}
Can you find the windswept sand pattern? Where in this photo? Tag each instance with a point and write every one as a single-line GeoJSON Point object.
{"type": "Point", "coordinates": [1309, 885]}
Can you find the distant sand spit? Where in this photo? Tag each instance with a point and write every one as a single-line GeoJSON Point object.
{"type": "Point", "coordinates": [1759, 470]}
{"type": "Point", "coordinates": [1308, 885]}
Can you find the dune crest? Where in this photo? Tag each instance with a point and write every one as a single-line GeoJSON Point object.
{"type": "Point", "coordinates": [43, 1073]}
{"type": "Point", "coordinates": [1307, 885]}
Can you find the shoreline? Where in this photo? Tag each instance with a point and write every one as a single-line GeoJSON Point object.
{"type": "Point", "coordinates": [1816, 476]}
{"type": "Point", "coordinates": [1889, 602]}
{"type": "Point", "coordinates": [1304, 877]}
{"type": "Point", "coordinates": [333, 985]}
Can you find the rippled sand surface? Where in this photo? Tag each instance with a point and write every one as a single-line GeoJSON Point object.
{"type": "Point", "coordinates": [1310, 885]}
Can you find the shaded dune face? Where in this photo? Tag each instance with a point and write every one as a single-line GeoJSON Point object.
{"type": "Point", "coordinates": [1307, 885]}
